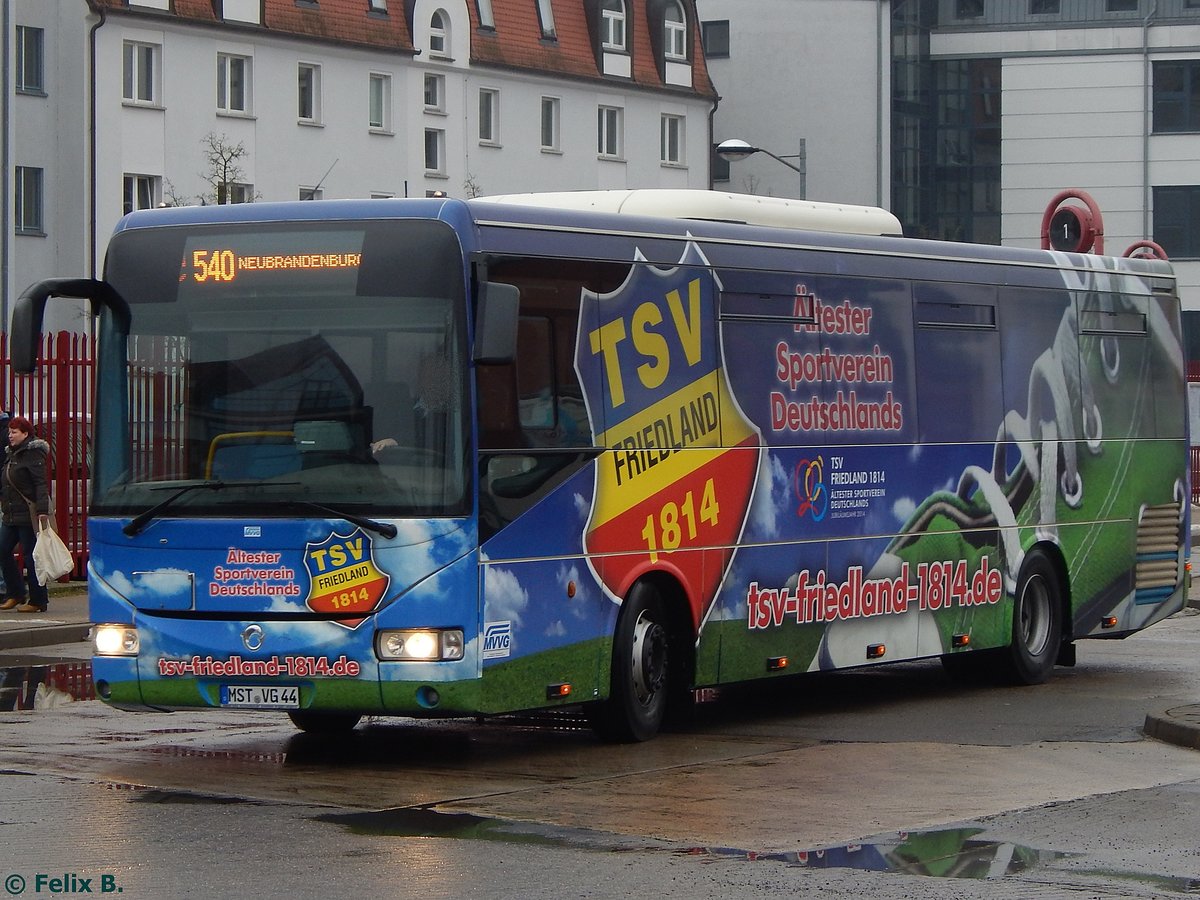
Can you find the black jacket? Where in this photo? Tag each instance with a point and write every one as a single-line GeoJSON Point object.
{"type": "Point", "coordinates": [24, 472]}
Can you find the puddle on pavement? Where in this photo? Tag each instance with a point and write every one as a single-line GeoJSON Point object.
{"type": "Point", "coordinates": [943, 853]}
{"type": "Point", "coordinates": [940, 853]}
{"type": "Point", "coordinates": [428, 823]}
{"type": "Point", "coordinates": [45, 685]}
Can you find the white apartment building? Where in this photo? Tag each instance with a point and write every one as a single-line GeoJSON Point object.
{"type": "Point", "coordinates": [113, 105]}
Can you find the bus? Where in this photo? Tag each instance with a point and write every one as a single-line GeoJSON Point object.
{"type": "Point", "coordinates": [609, 451]}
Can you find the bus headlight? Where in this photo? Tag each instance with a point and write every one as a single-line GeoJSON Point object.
{"type": "Point", "coordinates": [423, 644]}
{"type": "Point", "coordinates": [115, 640]}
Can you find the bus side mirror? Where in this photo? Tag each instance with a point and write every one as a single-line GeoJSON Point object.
{"type": "Point", "coordinates": [30, 309]}
{"type": "Point", "coordinates": [496, 317]}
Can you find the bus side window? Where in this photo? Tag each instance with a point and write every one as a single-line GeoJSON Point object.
{"type": "Point", "coordinates": [499, 426]}
{"type": "Point", "coordinates": [957, 343]}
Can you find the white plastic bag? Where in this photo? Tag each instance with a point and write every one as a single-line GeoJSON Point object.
{"type": "Point", "coordinates": [51, 557]}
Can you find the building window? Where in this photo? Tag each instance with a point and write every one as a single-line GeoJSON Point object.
{"type": "Point", "coordinates": [140, 192]}
{"type": "Point", "coordinates": [30, 66]}
{"type": "Point", "coordinates": [608, 133]}
{"type": "Point", "coordinates": [546, 17]}
{"type": "Point", "coordinates": [27, 196]}
{"type": "Point", "coordinates": [233, 84]}
{"type": "Point", "coordinates": [435, 151]}
{"type": "Point", "coordinates": [234, 192]}
{"type": "Point", "coordinates": [715, 36]}
{"type": "Point", "coordinates": [1044, 7]}
{"type": "Point", "coordinates": [486, 19]}
{"type": "Point", "coordinates": [311, 193]}
{"type": "Point", "coordinates": [968, 9]}
{"type": "Point", "coordinates": [551, 112]}
{"type": "Point", "coordinates": [1177, 220]}
{"type": "Point", "coordinates": [439, 38]}
{"type": "Point", "coordinates": [674, 31]}
{"type": "Point", "coordinates": [671, 140]}
{"type": "Point", "coordinates": [379, 103]}
{"type": "Point", "coordinates": [435, 91]}
{"type": "Point", "coordinates": [140, 73]}
{"type": "Point", "coordinates": [377, 6]}
{"type": "Point", "coordinates": [489, 116]}
{"type": "Point", "coordinates": [1121, 5]}
{"type": "Point", "coordinates": [1176, 92]}
{"type": "Point", "coordinates": [308, 84]}
{"type": "Point", "coordinates": [612, 25]}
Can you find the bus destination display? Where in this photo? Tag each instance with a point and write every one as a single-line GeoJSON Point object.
{"type": "Point", "coordinates": [214, 260]}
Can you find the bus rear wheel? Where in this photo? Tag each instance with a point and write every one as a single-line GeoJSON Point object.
{"type": "Point", "coordinates": [641, 670]}
{"type": "Point", "coordinates": [312, 722]}
{"type": "Point", "coordinates": [1037, 622]}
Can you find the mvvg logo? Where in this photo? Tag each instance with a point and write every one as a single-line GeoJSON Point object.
{"type": "Point", "coordinates": [497, 640]}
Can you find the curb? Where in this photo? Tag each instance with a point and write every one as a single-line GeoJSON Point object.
{"type": "Point", "coordinates": [1179, 725]}
{"type": "Point", "coordinates": [44, 636]}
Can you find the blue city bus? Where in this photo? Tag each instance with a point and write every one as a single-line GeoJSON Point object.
{"type": "Point", "coordinates": [609, 450]}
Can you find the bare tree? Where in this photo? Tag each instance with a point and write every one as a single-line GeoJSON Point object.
{"type": "Point", "coordinates": [225, 172]}
{"type": "Point", "coordinates": [171, 195]}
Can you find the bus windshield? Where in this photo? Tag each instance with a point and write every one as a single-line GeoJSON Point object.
{"type": "Point", "coordinates": [287, 365]}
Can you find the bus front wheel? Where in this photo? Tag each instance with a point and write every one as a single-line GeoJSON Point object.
{"type": "Point", "coordinates": [1037, 622]}
{"type": "Point", "coordinates": [324, 722]}
{"type": "Point", "coordinates": [641, 670]}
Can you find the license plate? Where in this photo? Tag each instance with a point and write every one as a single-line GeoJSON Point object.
{"type": "Point", "coordinates": [261, 696]}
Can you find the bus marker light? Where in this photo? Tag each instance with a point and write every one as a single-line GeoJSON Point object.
{"type": "Point", "coordinates": [115, 640]}
{"type": "Point", "coordinates": [558, 691]}
{"type": "Point", "coordinates": [960, 640]}
{"type": "Point", "coordinates": [570, 589]}
{"type": "Point", "coordinates": [452, 644]}
{"type": "Point", "coordinates": [876, 651]}
{"type": "Point", "coordinates": [1108, 622]}
{"type": "Point", "coordinates": [775, 663]}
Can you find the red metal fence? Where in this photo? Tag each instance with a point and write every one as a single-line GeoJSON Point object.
{"type": "Point", "coordinates": [57, 399]}
{"type": "Point", "coordinates": [1193, 375]}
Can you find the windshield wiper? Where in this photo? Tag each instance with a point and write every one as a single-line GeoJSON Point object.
{"type": "Point", "coordinates": [387, 529]}
{"type": "Point", "coordinates": [140, 521]}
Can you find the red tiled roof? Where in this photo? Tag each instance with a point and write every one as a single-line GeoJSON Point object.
{"type": "Point", "coordinates": [344, 21]}
{"type": "Point", "coordinates": [340, 20]}
{"type": "Point", "coordinates": [515, 43]}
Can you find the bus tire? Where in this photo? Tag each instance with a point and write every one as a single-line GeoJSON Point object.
{"type": "Point", "coordinates": [1037, 622]}
{"type": "Point", "coordinates": [641, 670]}
{"type": "Point", "coordinates": [312, 722]}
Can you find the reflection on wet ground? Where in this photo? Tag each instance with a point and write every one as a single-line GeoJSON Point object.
{"type": "Point", "coordinates": [42, 685]}
{"type": "Point", "coordinates": [938, 853]}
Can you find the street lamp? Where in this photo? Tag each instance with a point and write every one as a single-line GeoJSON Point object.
{"type": "Point", "coordinates": [733, 150]}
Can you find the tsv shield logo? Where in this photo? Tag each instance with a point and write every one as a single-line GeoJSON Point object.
{"type": "Point", "coordinates": [673, 491]}
{"type": "Point", "coordinates": [344, 579]}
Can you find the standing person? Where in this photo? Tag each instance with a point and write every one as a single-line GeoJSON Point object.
{"type": "Point", "coordinates": [24, 502]}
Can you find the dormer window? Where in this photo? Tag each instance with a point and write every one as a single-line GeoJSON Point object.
{"type": "Point", "coordinates": [612, 25]}
{"type": "Point", "coordinates": [546, 17]}
{"type": "Point", "coordinates": [486, 19]}
{"type": "Point", "coordinates": [438, 37]}
{"type": "Point", "coordinates": [377, 6]}
{"type": "Point", "coordinates": [674, 31]}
